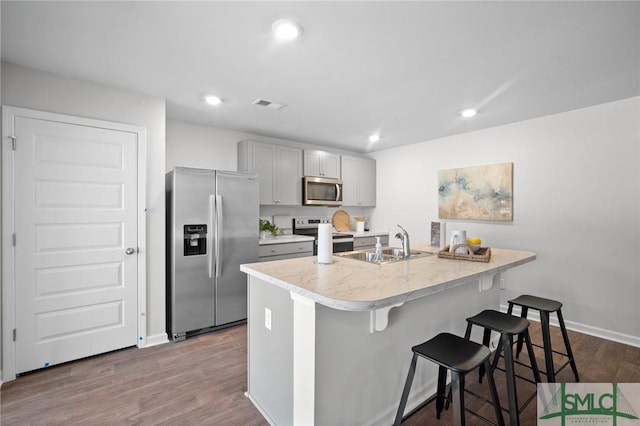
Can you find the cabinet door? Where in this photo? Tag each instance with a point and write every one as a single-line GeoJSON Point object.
{"type": "Point", "coordinates": [330, 165]}
{"type": "Point", "coordinates": [321, 164]}
{"type": "Point", "coordinates": [262, 161]}
{"type": "Point", "coordinates": [289, 176]}
{"type": "Point", "coordinates": [366, 182]}
{"type": "Point", "coordinates": [312, 163]}
{"type": "Point", "coordinates": [349, 181]}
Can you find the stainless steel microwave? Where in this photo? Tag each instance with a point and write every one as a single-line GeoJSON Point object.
{"type": "Point", "coordinates": [318, 191]}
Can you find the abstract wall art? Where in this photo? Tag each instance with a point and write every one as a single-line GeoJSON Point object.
{"type": "Point", "coordinates": [477, 193]}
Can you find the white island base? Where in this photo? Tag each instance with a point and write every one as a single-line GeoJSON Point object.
{"type": "Point", "coordinates": [311, 363]}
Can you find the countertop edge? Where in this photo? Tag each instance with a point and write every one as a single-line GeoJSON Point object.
{"type": "Point", "coordinates": [348, 305]}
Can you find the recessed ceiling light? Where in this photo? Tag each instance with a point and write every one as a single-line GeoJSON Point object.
{"type": "Point", "coordinates": [374, 138]}
{"type": "Point", "coordinates": [468, 113]}
{"type": "Point", "coordinates": [286, 29]}
{"type": "Point", "coordinates": [213, 99]}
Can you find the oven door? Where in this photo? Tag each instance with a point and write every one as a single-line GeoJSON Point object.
{"type": "Point", "coordinates": [342, 246]}
{"type": "Point", "coordinates": [338, 246]}
{"type": "Point", "coordinates": [317, 191]}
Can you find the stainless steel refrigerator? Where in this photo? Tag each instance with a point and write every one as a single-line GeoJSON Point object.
{"type": "Point", "coordinates": [212, 227]}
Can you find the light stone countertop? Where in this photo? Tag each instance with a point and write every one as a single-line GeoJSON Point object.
{"type": "Point", "coordinates": [353, 285]}
{"type": "Point", "coordinates": [283, 239]}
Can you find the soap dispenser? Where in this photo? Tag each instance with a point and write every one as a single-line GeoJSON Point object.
{"type": "Point", "coordinates": [377, 256]}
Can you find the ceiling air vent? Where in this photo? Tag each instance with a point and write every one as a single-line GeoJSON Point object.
{"type": "Point", "coordinates": [268, 104]}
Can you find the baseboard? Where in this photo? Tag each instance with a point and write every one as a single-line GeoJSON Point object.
{"type": "Point", "coordinates": [582, 328]}
{"type": "Point", "coordinates": [418, 395]}
{"type": "Point", "coordinates": [259, 408]}
{"type": "Point", "coordinates": [157, 339]}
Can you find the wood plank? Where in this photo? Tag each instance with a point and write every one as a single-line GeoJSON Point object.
{"type": "Point", "coordinates": [202, 381]}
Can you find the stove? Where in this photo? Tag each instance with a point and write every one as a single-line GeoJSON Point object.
{"type": "Point", "coordinates": [309, 226]}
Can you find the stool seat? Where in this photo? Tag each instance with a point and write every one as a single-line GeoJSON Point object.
{"type": "Point", "coordinates": [458, 355]}
{"type": "Point", "coordinates": [538, 303]}
{"type": "Point", "coordinates": [499, 322]}
{"type": "Point", "coordinates": [546, 307]}
{"type": "Point", "coordinates": [453, 352]}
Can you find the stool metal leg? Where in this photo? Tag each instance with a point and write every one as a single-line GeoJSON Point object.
{"type": "Point", "coordinates": [532, 357]}
{"type": "Point", "coordinates": [567, 345]}
{"type": "Point", "coordinates": [486, 338]}
{"type": "Point", "coordinates": [442, 382]}
{"type": "Point", "coordinates": [523, 314]}
{"type": "Point", "coordinates": [457, 385]}
{"type": "Point", "coordinates": [507, 341]}
{"type": "Point", "coordinates": [548, 353]}
{"type": "Point", "coordinates": [405, 392]}
{"type": "Point", "coordinates": [493, 392]}
{"type": "Point", "coordinates": [467, 333]}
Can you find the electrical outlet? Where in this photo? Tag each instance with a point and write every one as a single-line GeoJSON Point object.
{"type": "Point", "coordinates": [503, 283]}
{"type": "Point", "coordinates": [267, 318]}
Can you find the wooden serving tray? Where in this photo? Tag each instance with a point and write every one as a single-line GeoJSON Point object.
{"type": "Point", "coordinates": [482, 255]}
{"type": "Point", "coordinates": [341, 221]}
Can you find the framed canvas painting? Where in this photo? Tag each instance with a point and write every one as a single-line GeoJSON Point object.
{"type": "Point", "coordinates": [476, 193]}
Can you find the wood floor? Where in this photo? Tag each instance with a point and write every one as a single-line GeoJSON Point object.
{"type": "Point", "coordinates": [202, 380]}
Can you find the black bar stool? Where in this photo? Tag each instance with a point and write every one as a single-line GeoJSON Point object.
{"type": "Point", "coordinates": [459, 356]}
{"type": "Point", "coordinates": [545, 307]}
{"type": "Point", "coordinates": [508, 326]}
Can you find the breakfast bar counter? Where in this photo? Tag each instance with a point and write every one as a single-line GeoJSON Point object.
{"type": "Point", "coordinates": [331, 343]}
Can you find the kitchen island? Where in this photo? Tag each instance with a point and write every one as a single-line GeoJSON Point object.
{"type": "Point", "coordinates": [331, 344]}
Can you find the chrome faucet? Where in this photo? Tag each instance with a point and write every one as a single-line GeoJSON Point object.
{"type": "Point", "coordinates": [404, 238]}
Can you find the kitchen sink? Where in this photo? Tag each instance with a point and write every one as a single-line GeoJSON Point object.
{"type": "Point", "coordinates": [389, 255]}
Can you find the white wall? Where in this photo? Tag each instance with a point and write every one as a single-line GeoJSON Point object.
{"type": "Point", "coordinates": [28, 88]}
{"type": "Point", "coordinates": [576, 204]}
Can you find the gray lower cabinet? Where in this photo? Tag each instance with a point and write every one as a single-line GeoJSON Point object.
{"type": "Point", "coordinates": [369, 242]}
{"type": "Point", "coordinates": [285, 250]}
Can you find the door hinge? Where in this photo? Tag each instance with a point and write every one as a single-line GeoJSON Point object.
{"type": "Point", "coordinates": [13, 142]}
{"type": "Point", "coordinates": [14, 334]}
{"type": "Point", "coordinates": [14, 239]}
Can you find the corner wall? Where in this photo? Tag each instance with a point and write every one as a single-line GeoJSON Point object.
{"type": "Point", "coordinates": [576, 204]}
{"type": "Point", "coordinates": [29, 88]}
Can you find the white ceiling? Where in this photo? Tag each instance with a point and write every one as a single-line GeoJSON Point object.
{"type": "Point", "coordinates": [405, 69]}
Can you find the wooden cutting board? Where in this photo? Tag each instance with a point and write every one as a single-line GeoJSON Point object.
{"type": "Point", "coordinates": [341, 221]}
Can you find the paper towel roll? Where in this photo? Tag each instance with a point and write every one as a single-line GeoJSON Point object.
{"type": "Point", "coordinates": [325, 243]}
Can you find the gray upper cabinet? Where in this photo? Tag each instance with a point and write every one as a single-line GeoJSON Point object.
{"type": "Point", "coordinates": [279, 169]}
{"type": "Point", "coordinates": [358, 181]}
{"type": "Point", "coordinates": [321, 163]}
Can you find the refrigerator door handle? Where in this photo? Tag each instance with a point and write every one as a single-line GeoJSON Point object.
{"type": "Point", "coordinates": [219, 225]}
{"type": "Point", "coordinates": [211, 236]}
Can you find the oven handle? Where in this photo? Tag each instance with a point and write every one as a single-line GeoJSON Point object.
{"type": "Point", "coordinates": [343, 240]}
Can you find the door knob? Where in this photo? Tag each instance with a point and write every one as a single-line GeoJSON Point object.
{"type": "Point", "coordinates": [130, 251]}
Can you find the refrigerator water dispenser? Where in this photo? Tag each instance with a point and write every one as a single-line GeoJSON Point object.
{"type": "Point", "coordinates": [195, 240]}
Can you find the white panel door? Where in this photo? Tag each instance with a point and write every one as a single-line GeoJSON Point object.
{"type": "Point", "coordinates": [76, 241]}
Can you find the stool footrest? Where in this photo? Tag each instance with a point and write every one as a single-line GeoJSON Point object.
{"type": "Point", "coordinates": [526, 379]}
{"type": "Point", "coordinates": [542, 347]}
